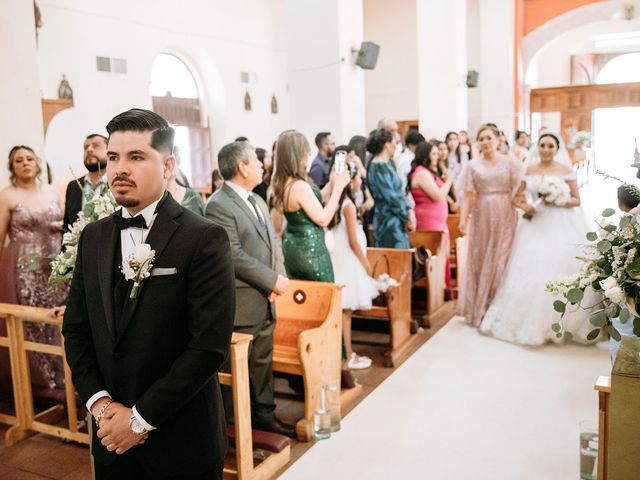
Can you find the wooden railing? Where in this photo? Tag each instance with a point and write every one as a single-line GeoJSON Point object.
{"type": "Point", "coordinates": [26, 422]}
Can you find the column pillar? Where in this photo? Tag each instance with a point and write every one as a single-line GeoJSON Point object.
{"type": "Point", "coordinates": [497, 30]}
{"type": "Point", "coordinates": [21, 118]}
{"type": "Point", "coordinates": [326, 89]}
{"type": "Point", "coordinates": [442, 66]}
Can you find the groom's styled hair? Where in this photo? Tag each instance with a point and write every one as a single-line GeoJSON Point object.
{"type": "Point", "coordinates": [139, 120]}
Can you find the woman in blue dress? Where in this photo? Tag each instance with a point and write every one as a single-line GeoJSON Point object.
{"type": "Point", "coordinates": [392, 217]}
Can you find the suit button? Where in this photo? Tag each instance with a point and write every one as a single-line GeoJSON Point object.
{"type": "Point", "coordinates": [117, 355]}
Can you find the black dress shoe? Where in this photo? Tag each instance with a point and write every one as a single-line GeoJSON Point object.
{"type": "Point", "coordinates": [276, 426]}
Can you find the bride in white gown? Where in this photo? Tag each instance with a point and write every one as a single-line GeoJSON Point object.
{"type": "Point", "coordinates": [545, 248]}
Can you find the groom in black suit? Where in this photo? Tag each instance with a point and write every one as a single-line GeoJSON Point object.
{"type": "Point", "coordinates": [146, 359]}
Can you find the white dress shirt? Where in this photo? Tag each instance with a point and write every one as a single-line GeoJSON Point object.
{"type": "Point", "coordinates": [244, 195]}
{"type": "Point", "coordinates": [129, 239]}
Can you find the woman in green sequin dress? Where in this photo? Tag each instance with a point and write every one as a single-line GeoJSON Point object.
{"type": "Point", "coordinates": [189, 199]}
{"type": "Point", "coordinates": [392, 216]}
{"type": "Point", "coordinates": [305, 254]}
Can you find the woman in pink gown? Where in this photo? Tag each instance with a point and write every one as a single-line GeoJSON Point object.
{"type": "Point", "coordinates": [490, 219]}
{"type": "Point", "coordinates": [31, 216]}
{"type": "Point", "coordinates": [429, 192]}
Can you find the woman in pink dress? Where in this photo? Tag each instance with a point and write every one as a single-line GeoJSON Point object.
{"type": "Point", "coordinates": [490, 219]}
{"type": "Point", "coordinates": [31, 216]}
{"type": "Point", "coordinates": [429, 192]}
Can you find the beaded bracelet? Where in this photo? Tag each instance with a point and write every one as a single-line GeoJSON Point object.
{"type": "Point", "coordinates": [101, 412]}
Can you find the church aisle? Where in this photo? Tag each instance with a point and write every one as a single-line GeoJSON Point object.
{"type": "Point", "coordinates": [468, 406]}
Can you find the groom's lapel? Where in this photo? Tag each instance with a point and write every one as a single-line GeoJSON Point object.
{"type": "Point", "coordinates": [106, 257]}
{"type": "Point", "coordinates": [161, 232]}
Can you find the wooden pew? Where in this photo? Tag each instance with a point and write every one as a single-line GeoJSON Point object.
{"type": "Point", "coordinates": [238, 379]}
{"type": "Point", "coordinates": [26, 421]}
{"type": "Point", "coordinates": [437, 246]}
{"type": "Point", "coordinates": [453, 225]}
{"type": "Point", "coordinates": [308, 342]}
{"type": "Point", "coordinates": [396, 263]}
{"type": "Point", "coordinates": [603, 387]}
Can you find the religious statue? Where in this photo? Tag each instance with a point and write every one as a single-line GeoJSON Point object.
{"type": "Point", "coordinates": [274, 104]}
{"type": "Point", "coordinates": [38, 18]}
{"type": "Point", "coordinates": [64, 90]}
{"type": "Point", "coordinates": [247, 101]}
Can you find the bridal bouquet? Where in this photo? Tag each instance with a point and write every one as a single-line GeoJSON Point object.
{"type": "Point", "coordinates": [97, 207]}
{"type": "Point", "coordinates": [610, 265]}
{"type": "Point", "coordinates": [553, 190]}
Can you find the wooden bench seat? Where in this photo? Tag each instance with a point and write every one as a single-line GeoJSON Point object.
{"type": "Point", "coordinates": [308, 342]}
{"type": "Point", "coordinates": [397, 311]}
{"type": "Point", "coordinates": [436, 245]}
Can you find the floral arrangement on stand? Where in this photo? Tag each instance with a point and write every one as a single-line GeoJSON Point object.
{"type": "Point", "coordinates": [97, 207]}
{"type": "Point", "coordinates": [552, 190]}
{"type": "Point", "coordinates": [611, 266]}
{"type": "Point", "coordinates": [581, 139]}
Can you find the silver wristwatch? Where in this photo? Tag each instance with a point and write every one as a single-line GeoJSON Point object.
{"type": "Point", "coordinates": [137, 427]}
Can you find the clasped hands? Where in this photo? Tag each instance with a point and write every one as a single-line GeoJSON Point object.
{"type": "Point", "coordinates": [114, 431]}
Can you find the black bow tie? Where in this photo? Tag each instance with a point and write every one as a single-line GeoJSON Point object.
{"type": "Point", "coordinates": [137, 221]}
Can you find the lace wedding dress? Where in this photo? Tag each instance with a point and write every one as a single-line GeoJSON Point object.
{"type": "Point", "coordinates": [544, 249]}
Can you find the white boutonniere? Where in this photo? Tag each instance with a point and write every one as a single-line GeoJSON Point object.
{"type": "Point", "coordinates": [138, 266]}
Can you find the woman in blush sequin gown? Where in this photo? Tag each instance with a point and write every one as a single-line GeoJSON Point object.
{"type": "Point", "coordinates": [31, 215]}
{"type": "Point", "coordinates": [490, 219]}
{"type": "Point", "coordinates": [305, 253]}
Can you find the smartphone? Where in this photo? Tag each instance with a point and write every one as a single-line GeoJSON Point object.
{"type": "Point", "coordinates": [341, 162]}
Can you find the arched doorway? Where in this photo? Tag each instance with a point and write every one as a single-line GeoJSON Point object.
{"type": "Point", "coordinates": [175, 96]}
{"type": "Point", "coordinates": [617, 130]}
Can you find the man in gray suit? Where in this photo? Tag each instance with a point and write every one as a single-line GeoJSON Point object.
{"type": "Point", "coordinates": [259, 269]}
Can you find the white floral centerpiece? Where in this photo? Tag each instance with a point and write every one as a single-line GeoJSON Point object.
{"type": "Point", "coordinates": [97, 207]}
{"type": "Point", "coordinates": [553, 190]}
{"type": "Point", "coordinates": [611, 266]}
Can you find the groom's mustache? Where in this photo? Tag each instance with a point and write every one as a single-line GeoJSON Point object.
{"type": "Point", "coordinates": [122, 179]}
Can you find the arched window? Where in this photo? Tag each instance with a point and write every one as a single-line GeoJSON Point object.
{"type": "Point", "coordinates": [622, 69]}
{"type": "Point", "coordinates": [175, 97]}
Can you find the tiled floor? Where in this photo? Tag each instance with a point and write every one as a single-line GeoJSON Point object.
{"type": "Point", "coordinates": [42, 457]}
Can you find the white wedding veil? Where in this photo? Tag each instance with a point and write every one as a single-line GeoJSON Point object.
{"type": "Point", "coordinates": [533, 157]}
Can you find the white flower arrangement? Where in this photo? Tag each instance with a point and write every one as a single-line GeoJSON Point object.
{"type": "Point", "coordinates": [554, 190]}
{"type": "Point", "coordinates": [385, 282]}
{"type": "Point", "coordinates": [138, 266]}
{"type": "Point", "coordinates": [97, 207]}
{"type": "Point", "coordinates": [611, 266]}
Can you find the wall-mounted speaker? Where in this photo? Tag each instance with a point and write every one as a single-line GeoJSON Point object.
{"type": "Point", "coordinates": [472, 78]}
{"type": "Point", "coordinates": [368, 55]}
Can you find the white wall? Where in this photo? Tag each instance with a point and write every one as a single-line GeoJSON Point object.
{"type": "Point", "coordinates": [442, 66]}
{"type": "Point", "coordinates": [391, 89]}
{"type": "Point", "coordinates": [474, 104]}
{"type": "Point", "coordinates": [21, 113]}
{"type": "Point", "coordinates": [326, 88]}
{"type": "Point", "coordinates": [551, 66]}
{"type": "Point", "coordinates": [218, 39]}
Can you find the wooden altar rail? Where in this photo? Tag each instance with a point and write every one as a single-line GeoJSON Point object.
{"type": "Point", "coordinates": [26, 422]}
{"type": "Point", "coordinates": [603, 387]}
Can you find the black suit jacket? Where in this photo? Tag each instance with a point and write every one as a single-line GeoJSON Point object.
{"type": "Point", "coordinates": [169, 346]}
{"type": "Point", "coordinates": [72, 203]}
